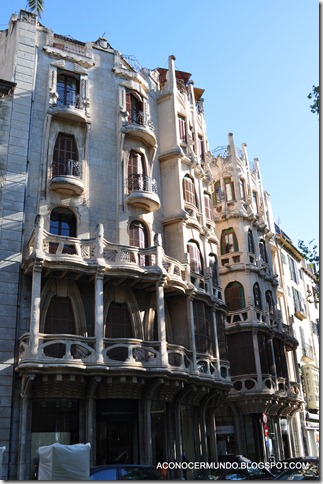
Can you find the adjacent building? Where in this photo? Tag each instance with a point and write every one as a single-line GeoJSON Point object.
{"type": "Point", "coordinates": [141, 306]}
{"type": "Point", "coordinates": [299, 302]}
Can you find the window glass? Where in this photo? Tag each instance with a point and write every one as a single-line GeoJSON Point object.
{"type": "Point", "coordinates": [229, 242]}
{"type": "Point", "coordinates": [217, 195]}
{"type": "Point", "coordinates": [234, 296]}
{"type": "Point", "coordinates": [195, 257]}
{"type": "Point", "coordinates": [189, 190]}
{"type": "Point", "coordinates": [65, 156]}
{"type": "Point", "coordinates": [118, 324]}
{"type": "Point", "coordinates": [229, 189]}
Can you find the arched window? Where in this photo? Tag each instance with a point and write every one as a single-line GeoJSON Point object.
{"type": "Point", "coordinates": [119, 321]}
{"type": "Point", "coordinates": [136, 171]}
{"type": "Point", "coordinates": [262, 251]}
{"type": "Point", "coordinates": [213, 261]}
{"type": "Point", "coordinates": [257, 296]}
{"type": "Point", "coordinates": [65, 157]}
{"type": "Point", "coordinates": [138, 237]}
{"type": "Point", "coordinates": [270, 302]}
{"type": "Point", "coordinates": [189, 190]}
{"type": "Point", "coordinates": [208, 205]}
{"type": "Point", "coordinates": [234, 296]}
{"type": "Point", "coordinates": [196, 263]}
{"type": "Point", "coordinates": [229, 242]}
{"type": "Point", "coordinates": [63, 222]}
{"type": "Point", "coordinates": [60, 316]}
{"type": "Point", "coordinates": [251, 245]}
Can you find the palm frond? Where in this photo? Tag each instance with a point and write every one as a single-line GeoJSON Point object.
{"type": "Point", "coordinates": [36, 6]}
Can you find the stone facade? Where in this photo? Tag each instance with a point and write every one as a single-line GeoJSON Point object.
{"type": "Point", "coordinates": [122, 237]}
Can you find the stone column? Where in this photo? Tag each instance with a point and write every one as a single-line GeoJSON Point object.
{"type": "Point", "coordinates": [35, 309]}
{"type": "Point", "coordinates": [257, 358]}
{"type": "Point", "coordinates": [191, 330]}
{"type": "Point", "coordinates": [161, 321]}
{"type": "Point", "coordinates": [99, 318]}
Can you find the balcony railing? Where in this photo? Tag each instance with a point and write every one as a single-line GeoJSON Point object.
{"type": "Point", "coordinates": [140, 118]}
{"type": "Point", "coordinates": [307, 351]}
{"type": "Point", "coordinates": [70, 98]}
{"type": "Point", "coordinates": [141, 183]}
{"type": "Point", "coordinates": [128, 353]}
{"type": "Point", "coordinates": [67, 168]}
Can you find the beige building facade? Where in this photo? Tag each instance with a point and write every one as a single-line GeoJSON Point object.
{"type": "Point", "coordinates": [139, 295]}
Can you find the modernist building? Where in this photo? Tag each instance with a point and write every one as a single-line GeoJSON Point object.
{"type": "Point", "coordinates": [266, 397]}
{"type": "Point", "coordinates": [113, 313]}
{"type": "Point", "coordinates": [299, 303]}
{"type": "Point", "coordinates": [136, 267]}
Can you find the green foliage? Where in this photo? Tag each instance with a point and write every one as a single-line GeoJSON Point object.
{"type": "Point", "coordinates": [35, 6]}
{"type": "Point", "coordinates": [311, 255]}
{"type": "Point", "coordinates": [315, 96]}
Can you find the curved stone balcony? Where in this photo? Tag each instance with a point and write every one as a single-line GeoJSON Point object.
{"type": "Point", "coordinates": [73, 108]}
{"type": "Point", "coordinates": [141, 127]}
{"type": "Point", "coordinates": [67, 177]}
{"type": "Point", "coordinates": [142, 192]}
{"type": "Point", "coordinates": [248, 384]}
{"type": "Point", "coordinates": [80, 352]}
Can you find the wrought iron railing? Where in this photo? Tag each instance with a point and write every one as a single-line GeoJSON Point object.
{"type": "Point", "coordinates": [139, 182]}
{"type": "Point", "coordinates": [67, 168]}
{"type": "Point", "coordinates": [71, 98]}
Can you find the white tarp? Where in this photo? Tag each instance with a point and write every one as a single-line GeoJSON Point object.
{"type": "Point", "coordinates": [58, 462]}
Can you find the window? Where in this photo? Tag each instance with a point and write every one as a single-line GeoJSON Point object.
{"type": "Point", "coordinates": [65, 157]}
{"type": "Point", "coordinates": [234, 296]}
{"type": "Point", "coordinates": [182, 129]}
{"type": "Point", "coordinates": [251, 245]}
{"type": "Point", "coordinates": [257, 296]}
{"type": "Point", "coordinates": [201, 149]}
{"type": "Point", "coordinates": [293, 270]}
{"type": "Point", "coordinates": [229, 189]}
{"type": "Point", "coordinates": [222, 337]}
{"type": "Point", "coordinates": [68, 89]}
{"type": "Point", "coordinates": [134, 107]}
{"type": "Point", "coordinates": [60, 316]}
{"type": "Point", "coordinates": [119, 322]}
{"type": "Point", "coordinates": [208, 205]}
{"type": "Point", "coordinates": [136, 171]}
{"type": "Point", "coordinates": [217, 195]}
{"type": "Point", "coordinates": [262, 251]}
{"type": "Point", "coordinates": [298, 301]}
{"type": "Point", "coordinates": [270, 302]}
{"type": "Point", "coordinates": [189, 190]}
{"type": "Point", "coordinates": [255, 201]}
{"type": "Point", "coordinates": [196, 264]}
{"type": "Point", "coordinates": [203, 325]}
{"type": "Point", "coordinates": [213, 261]}
{"type": "Point", "coordinates": [63, 222]}
{"type": "Point", "coordinates": [229, 242]}
{"type": "Point", "coordinates": [242, 189]}
{"type": "Point", "coordinates": [138, 237]}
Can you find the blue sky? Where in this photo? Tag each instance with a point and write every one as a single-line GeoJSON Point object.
{"type": "Point", "coordinates": [257, 61]}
